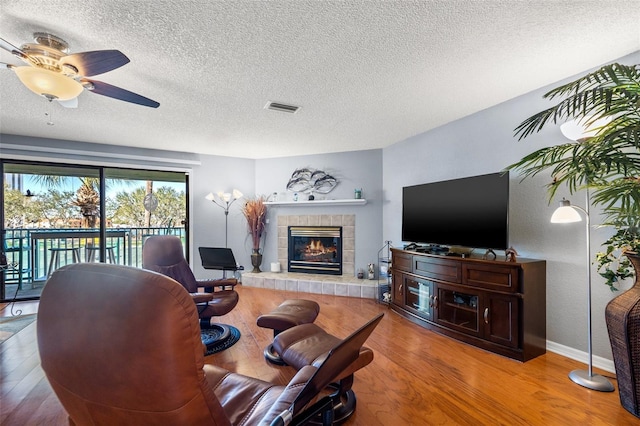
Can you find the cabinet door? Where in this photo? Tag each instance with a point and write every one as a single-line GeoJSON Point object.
{"type": "Point", "coordinates": [398, 288]}
{"type": "Point", "coordinates": [419, 296]}
{"type": "Point", "coordinates": [437, 268]}
{"type": "Point", "coordinates": [459, 310]}
{"type": "Point", "coordinates": [491, 277]}
{"type": "Point", "coordinates": [500, 318]}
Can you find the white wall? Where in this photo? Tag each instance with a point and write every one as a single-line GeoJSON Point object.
{"type": "Point", "coordinates": [484, 143]}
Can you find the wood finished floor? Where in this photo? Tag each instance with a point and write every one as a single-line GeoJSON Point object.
{"type": "Point", "coordinates": [416, 378]}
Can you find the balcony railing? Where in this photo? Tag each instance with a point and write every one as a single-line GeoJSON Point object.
{"type": "Point", "coordinates": [34, 253]}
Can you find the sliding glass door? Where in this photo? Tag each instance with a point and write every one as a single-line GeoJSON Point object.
{"type": "Point", "coordinates": [54, 215]}
{"type": "Point", "coordinates": [141, 203]}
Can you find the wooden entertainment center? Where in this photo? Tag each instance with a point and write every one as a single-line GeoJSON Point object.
{"type": "Point", "coordinates": [494, 305]}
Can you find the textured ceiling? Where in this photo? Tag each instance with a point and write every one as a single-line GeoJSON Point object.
{"type": "Point", "coordinates": [366, 74]}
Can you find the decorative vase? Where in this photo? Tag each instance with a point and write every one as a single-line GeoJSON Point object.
{"type": "Point", "coordinates": [623, 323]}
{"type": "Point", "coordinates": [256, 260]}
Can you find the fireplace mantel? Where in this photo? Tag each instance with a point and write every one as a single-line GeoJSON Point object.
{"type": "Point", "coordinates": [347, 202]}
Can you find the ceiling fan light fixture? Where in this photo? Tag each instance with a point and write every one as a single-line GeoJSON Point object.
{"type": "Point", "coordinates": [50, 84]}
{"type": "Point", "coordinates": [46, 39]}
{"type": "Point", "coordinates": [58, 76]}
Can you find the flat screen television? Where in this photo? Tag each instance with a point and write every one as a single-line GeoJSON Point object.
{"type": "Point", "coordinates": [469, 212]}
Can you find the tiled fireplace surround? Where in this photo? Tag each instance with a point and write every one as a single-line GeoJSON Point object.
{"type": "Point", "coordinates": [340, 285]}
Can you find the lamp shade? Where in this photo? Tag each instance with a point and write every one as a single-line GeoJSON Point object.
{"type": "Point", "coordinates": [586, 127]}
{"type": "Point", "coordinates": [225, 196]}
{"type": "Point", "coordinates": [565, 213]}
{"type": "Point", "coordinates": [572, 130]}
{"type": "Point", "coordinates": [49, 84]}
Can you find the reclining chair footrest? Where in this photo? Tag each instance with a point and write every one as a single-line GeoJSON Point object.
{"type": "Point", "coordinates": [288, 314]}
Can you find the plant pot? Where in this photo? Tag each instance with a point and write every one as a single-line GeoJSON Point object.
{"type": "Point", "coordinates": [256, 260]}
{"type": "Point", "coordinates": [623, 323]}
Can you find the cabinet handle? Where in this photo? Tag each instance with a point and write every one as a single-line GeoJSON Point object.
{"type": "Point", "coordinates": [435, 302]}
{"type": "Point", "coordinates": [400, 289]}
{"type": "Point", "coordinates": [486, 315]}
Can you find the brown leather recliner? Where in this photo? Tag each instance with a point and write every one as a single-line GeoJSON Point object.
{"type": "Point", "coordinates": [163, 254]}
{"type": "Point", "coordinates": [109, 365]}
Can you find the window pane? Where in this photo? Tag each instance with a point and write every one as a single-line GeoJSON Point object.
{"type": "Point", "coordinates": [145, 203]}
{"type": "Point", "coordinates": [52, 216]}
{"type": "Point", "coordinates": [51, 219]}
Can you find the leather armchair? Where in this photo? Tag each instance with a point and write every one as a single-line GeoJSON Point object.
{"type": "Point", "coordinates": [108, 365]}
{"type": "Point", "coordinates": [163, 254]}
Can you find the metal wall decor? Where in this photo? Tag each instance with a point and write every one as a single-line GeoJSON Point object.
{"type": "Point", "coordinates": [311, 180]}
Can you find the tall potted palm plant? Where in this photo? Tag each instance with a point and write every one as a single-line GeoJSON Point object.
{"type": "Point", "coordinates": [607, 163]}
{"type": "Point", "coordinates": [255, 211]}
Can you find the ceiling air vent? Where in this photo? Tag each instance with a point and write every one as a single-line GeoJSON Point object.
{"type": "Point", "coordinates": [276, 106]}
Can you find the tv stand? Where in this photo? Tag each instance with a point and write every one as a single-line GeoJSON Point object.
{"type": "Point", "coordinates": [494, 305]}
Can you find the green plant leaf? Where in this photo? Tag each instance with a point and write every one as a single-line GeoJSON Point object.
{"type": "Point", "coordinates": [607, 164]}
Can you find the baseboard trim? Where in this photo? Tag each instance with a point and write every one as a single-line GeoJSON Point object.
{"type": "Point", "coordinates": [598, 362]}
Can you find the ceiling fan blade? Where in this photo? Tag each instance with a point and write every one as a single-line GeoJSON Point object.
{"type": "Point", "coordinates": [71, 103]}
{"type": "Point", "coordinates": [95, 62]}
{"type": "Point", "coordinates": [11, 48]}
{"type": "Point", "coordinates": [115, 92]}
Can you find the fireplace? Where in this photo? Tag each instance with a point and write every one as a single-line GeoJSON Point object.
{"type": "Point", "coordinates": [315, 249]}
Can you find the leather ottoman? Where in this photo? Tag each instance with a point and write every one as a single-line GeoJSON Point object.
{"type": "Point", "coordinates": [290, 313]}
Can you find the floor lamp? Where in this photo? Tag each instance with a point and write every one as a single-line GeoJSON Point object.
{"type": "Point", "coordinates": [568, 213]}
{"type": "Point", "coordinates": [225, 201]}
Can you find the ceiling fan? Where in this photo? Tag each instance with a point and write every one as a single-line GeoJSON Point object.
{"type": "Point", "coordinates": [57, 75]}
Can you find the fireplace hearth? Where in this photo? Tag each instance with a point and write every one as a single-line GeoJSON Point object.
{"type": "Point", "coordinates": [315, 249]}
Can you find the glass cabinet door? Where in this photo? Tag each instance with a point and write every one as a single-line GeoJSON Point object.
{"type": "Point", "coordinates": [459, 310]}
{"type": "Point", "coordinates": [420, 297]}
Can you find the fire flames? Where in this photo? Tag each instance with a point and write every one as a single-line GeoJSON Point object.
{"type": "Point", "coordinates": [316, 248]}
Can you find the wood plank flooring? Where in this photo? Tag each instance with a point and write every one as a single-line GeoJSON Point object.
{"type": "Point", "coordinates": [416, 378]}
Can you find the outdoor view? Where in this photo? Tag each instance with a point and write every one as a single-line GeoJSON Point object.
{"type": "Point", "coordinates": [53, 216]}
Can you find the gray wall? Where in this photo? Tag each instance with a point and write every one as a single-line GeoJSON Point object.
{"type": "Point", "coordinates": [484, 143]}
{"type": "Point", "coordinates": [358, 169]}
{"type": "Point", "coordinates": [477, 144]}
{"type": "Point", "coordinates": [208, 220]}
